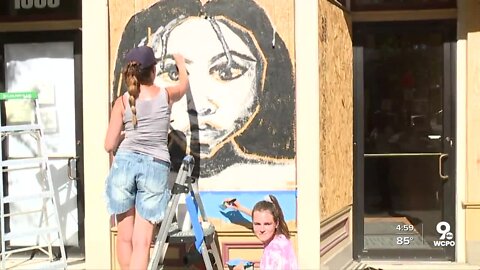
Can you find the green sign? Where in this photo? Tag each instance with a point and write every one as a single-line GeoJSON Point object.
{"type": "Point", "coordinates": [18, 95]}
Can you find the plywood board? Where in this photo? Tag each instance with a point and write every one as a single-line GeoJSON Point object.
{"type": "Point", "coordinates": [336, 108]}
{"type": "Point", "coordinates": [240, 58]}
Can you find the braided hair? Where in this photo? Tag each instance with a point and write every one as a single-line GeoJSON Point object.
{"type": "Point", "coordinates": [134, 76]}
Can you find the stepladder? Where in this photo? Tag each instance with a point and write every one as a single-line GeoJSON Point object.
{"type": "Point", "coordinates": [199, 233]}
{"type": "Point", "coordinates": [39, 235]}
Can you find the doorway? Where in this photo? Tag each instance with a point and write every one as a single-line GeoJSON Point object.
{"type": "Point", "coordinates": [404, 145]}
{"type": "Point", "coordinates": [49, 62]}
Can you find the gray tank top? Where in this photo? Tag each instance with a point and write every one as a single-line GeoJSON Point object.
{"type": "Point", "coordinates": [150, 135]}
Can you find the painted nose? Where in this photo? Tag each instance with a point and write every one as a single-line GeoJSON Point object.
{"type": "Point", "coordinates": [207, 111]}
{"type": "Point", "coordinates": [201, 106]}
{"type": "Point", "coordinates": [207, 107]}
{"type": "Point", "coordinates": [203, 95]}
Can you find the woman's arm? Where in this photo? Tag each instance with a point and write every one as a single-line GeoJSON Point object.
{"type": "Point", "coordinates": [176, 92]}
{"type": "Point", "coordinates": [115, 126]}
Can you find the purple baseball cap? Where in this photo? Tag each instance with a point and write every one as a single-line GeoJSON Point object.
{"type": "Point", "coordinates": [143, 55]}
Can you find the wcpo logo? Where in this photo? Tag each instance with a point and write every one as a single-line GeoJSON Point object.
{"type": "Point", "coordinates": [443, 228]}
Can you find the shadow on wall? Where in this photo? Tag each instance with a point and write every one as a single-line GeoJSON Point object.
{"type": "Point", "coordinates": [237, 218]}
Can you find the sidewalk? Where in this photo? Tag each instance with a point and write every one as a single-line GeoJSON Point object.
{"type": "Point", "coordinates": [20, 263]}
{"type": "Point", "coordinates": [386, 265]}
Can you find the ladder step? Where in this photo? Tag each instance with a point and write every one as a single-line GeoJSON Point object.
{"type": "Point", "coordinates": [10, 199]}
{"type": "Point", "coordinates": [59, 264]}
{"type": "Point", "coordinates": [23, 161]}
{"type": "Point", "coordinates": [33, 232]}
{"type": "Point", "coordinates": [42, 248]}
{"type": "Point", "coordinates": [176, 235]}
{"type": "Point", "coordinates": [21, 128]}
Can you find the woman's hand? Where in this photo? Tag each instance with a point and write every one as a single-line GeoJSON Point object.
{"type": "Point", "coordinates": [233, 203]}
{"type": "Point", "coordinates": [179, 59]}
{"type": "Point", "coordinates": [176, 92]}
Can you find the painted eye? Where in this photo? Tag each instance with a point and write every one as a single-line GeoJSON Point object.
{"type": "Point", "coordinates": [223, 72]}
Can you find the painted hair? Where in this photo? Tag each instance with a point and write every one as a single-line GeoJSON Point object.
{"type": "Point", "coordinates": [269, 137]}
{"type": "Point", "coordinates": [271, 204]}
{"type": "Point", "coordinates": [134, 76]}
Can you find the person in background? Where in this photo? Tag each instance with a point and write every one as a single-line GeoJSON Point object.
{"type": "Point", "coordinates": [137, 185]}
{"type": "Point", "coordinates": [271, 229]}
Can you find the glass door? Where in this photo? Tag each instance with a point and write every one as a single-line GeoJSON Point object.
{"type": "Point", "coordinates": [49, 63]}
{"type": "Point", "coordinates": [404, 140]}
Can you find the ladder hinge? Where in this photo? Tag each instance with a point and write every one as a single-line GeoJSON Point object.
{"type": "Point", "coordinates": [191, 179]}
{"type": "Point", "coordinates": [177, 189]}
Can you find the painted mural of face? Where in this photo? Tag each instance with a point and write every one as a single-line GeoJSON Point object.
{"type": "Point", "coordinates": [223, 95]}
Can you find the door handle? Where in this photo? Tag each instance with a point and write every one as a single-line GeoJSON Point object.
{"type": "Point", "coordinates": [440, 166]}
{"type": "Point", "coordinates": [72, 168]}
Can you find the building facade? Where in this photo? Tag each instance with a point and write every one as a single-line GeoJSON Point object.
{"type": "Point", "coordinates": [360, 116]}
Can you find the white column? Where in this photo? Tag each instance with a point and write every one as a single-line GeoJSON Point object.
{"type": "Point", "coordinates": [95, 49]}
{"type": "Point", "coordinates": [461, 117]}
{"type": "Point", "coordinates": [308, 133]}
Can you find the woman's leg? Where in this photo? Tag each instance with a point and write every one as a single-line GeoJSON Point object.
{"type": "Point", "coordinates": [141, 240]}
{"type": "Point", "coordinates": [125, 223]}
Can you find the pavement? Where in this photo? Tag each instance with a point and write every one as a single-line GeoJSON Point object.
{"type": "Point", "coordinates": [414, 265]}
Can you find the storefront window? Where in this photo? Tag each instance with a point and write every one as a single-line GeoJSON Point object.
{"type": "Point", "coordinates": [364, 5]}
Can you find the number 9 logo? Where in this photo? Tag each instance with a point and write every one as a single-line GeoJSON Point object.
{"type": "Point", "coordinates": [443, 228]}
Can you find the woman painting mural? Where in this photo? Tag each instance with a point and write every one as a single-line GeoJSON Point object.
{"type": "Point", "coordinates": [238, 117]}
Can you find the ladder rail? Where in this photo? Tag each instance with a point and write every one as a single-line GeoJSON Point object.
{"type": "Point", "coordinates": [200, 241]}
{"type": "Point", "coordinates": [198, 200]}
{"type": "Point", "coordinates": [203, 214]}
{"type": "Point", "coordinates": [184, 184]}
{"type": "Point", "coordinates": [48, 176]}
{"type": "Point", "coordinates": [44, 232]}
{"type": "Point", "coordinates": [165, 226]}
{"type": "Point", "coordinates": [2, 217]}
{"type": "Point", "coordinates": [4, 255]}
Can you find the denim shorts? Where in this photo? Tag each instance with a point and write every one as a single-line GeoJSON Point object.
{"type": "Point", "coordinates": [138, 180]}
